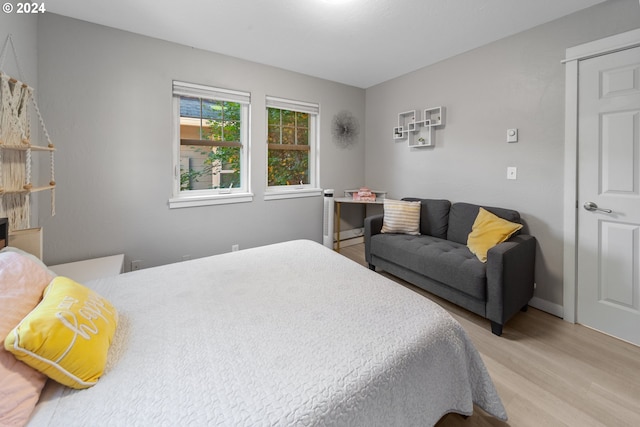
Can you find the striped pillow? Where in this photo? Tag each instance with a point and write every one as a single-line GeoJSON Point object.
{"type": "Point", "coordinates": [401, 217]}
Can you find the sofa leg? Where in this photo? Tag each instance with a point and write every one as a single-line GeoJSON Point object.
{"type": "Point", "coordinates": [372, 267]}
{"type": "Point", "coordinates": [525, 308]}
{"type": "Point", "coordinates": [496, 328]}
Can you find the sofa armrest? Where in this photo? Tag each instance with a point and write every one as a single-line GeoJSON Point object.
{"type": "Point", "coordinates": [372, 226]}
{"type": "Point", "coordinates": [510, 277]}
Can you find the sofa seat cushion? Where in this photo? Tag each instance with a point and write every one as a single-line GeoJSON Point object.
{"type": "Point", "coordinates": [447, 262]}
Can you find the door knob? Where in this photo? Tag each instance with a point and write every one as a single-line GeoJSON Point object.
{"type": "Point", "coordinates": [590, 206]}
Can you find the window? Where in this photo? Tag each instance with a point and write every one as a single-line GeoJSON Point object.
{"type": "Point", "coordinates": [211, 148]}
{"type": "Point", "coordinates": [291, 148]}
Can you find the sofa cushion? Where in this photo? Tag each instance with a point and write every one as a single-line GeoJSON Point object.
{"type": "Point", "coordinates": [463, 215]}
{"type": "Point", "coordinates": [447, 262]}
{"type": "Point", "coordinates": [434, 216]}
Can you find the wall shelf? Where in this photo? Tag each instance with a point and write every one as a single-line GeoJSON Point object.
{"type": "Point", "coordinates": [16, 152]}
{"type": "Point", "coordinates": [25, 147]}
{"type": "Point", "coordinates": [418, 133]}
{"type": "Point", "coordinates": [27, 190]}
{"type": "Point", "coordinates": [27, 187]}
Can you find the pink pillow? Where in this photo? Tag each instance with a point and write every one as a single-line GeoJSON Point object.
{"type": "Point", "coordinates": [22, 282]}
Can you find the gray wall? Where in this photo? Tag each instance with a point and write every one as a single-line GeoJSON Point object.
{"type": "Point", "coordinates": [106, 97]}
{"type": "Point", "coordinates": [517, 82]}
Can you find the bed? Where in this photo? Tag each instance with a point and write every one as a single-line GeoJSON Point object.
{"type": "Point", "coordinates": [290, 334]}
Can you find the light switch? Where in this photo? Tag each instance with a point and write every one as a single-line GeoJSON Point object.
{"type": "Point", "coordinates": [512, 172]}
{"type": "Point", "coordinates": [512, 135]}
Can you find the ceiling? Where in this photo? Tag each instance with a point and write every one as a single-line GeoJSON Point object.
{"type": "Point", "coordinates": [356, 42]}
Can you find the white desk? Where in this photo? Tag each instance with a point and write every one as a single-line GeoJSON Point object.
{"type": "Point", "coordinates": [83, 271]}
{"type": "Point", "coordinates": [338, 202]}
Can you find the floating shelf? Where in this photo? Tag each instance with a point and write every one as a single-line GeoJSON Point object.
{"type": "Point", "coordinates": [16, 150]}
{"type": "Point", "coordinates": [27, 190]}
{"type": "Point", "coordinates": [26, 147]}
{"type": "Point", "coordinates": [418, 133]}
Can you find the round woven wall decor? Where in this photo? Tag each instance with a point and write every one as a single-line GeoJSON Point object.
{"type": "Point", "coordinates": [345, 129]}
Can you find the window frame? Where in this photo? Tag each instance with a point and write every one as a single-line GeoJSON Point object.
{"type": "Point", "coordinates": [274, 192]}
{"type": "Point", "coordinates": [191, 198]}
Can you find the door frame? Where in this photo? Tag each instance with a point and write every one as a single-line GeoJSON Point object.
{"type": "Point", "coordinates": [574, 55]}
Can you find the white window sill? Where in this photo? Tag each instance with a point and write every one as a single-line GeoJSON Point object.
{"type": "Point", "coordinates": [209, 199]}
{"type": "Point", "coordinates": [292, 193]}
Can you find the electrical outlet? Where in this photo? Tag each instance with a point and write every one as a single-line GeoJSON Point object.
{"type": "Point", "coordinates": [235, 247]}
{"type": "Point", "coordinates": [512, 135]}
{"type": "Point", "coordinates": [136, 265]}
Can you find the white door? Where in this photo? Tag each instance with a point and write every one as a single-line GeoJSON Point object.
{"type": "Point", "coordinates": [609, 194]}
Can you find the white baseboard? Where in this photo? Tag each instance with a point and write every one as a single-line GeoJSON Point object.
{"type": "Point", "coordinates": [350, 242]}
{"type": "Point", "coordinates": [546, 306]}
{"type": "Point", "coordinates": [349, 234]}
{"type": "Point", "coordinates": [350, 237]}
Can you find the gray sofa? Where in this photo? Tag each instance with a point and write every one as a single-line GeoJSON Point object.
{"type": "Point", "coordinates": [439, 261]}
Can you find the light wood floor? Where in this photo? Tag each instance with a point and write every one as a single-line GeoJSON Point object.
{"type": "Point", "coordinates": [548, 372]}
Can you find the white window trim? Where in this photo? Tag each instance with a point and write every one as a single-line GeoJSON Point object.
{"type": "Point", "coordinates": [292, 193]}
{"type": "Point", "coordinates": [297, 190]}
{"type": "Point", "coordinates": [209, 199]}
{"type": "Point", "coordinates": [194, 198]}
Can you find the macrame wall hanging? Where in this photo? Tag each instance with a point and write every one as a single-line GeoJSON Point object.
{"type": "Point", "coordinates": [16, 100]}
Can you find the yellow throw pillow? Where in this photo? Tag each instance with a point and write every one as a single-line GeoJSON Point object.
{"type": "Point", "coordinates": [489, 230]}
{"type": "Point", "coordinates": [401, 217]}
{"type": "Point", "coordinates": [68, 334]}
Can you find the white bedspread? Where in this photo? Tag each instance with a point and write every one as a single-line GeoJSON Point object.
{"type": "Point", "coordinates": [281, 335]}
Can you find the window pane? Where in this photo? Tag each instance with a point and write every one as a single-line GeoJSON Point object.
{"type": "Point", "coordinates": [225, 165]}
{"type": "Point", "coordinates": [288, 118]}
{"type": "Point", "coordinates": [288, 167]}
{"type": "Point", "coordinates": [223, 121]}
{"type": "Point", "coordinates": [227, 179]}
{"type": "Point", "coordinates": [273, 116]}
{"type": "Point", "coordinates": [231, 131]}
{"type": "Point", "coordinates": [195, 173]}
{"type": "Point", "coordinates": [288, 135]}
{"type": "Point", "coordinates": [189, 107]}
{"type": "Point", "coordinates": [302, 136]}
{"type": "Point", "coordinates": [231, 111]}
{"type": "Point", "coordinates": [211, 109]}
{"type": "Point", "coordinates": [190, 122]}
{"type": "Point", "coordinates": [214, 130]}
{"type": "Point", "coordinates": [229, 167]}
{"type": "Point", "coordinates": [210, 144]}
{"type": "Point", "coordinates": [290, 153]}
{"type": "Point", "coordinates": [210, 167]}
{"type": "Point", "coordinates": [302, 120]}
{"type": "Point", "coordinates": [273, 136]}
{"type": "Point", "coordinates": [204, 168]}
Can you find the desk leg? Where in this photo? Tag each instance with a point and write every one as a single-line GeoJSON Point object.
{"type": "Point", "coordinates": [338, 204]}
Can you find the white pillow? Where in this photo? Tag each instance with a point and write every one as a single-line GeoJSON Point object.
{"type": "Point", "coordinates": [401, 217]}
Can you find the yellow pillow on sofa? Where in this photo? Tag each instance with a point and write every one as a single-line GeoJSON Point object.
{"type": "Point", "coordinates": [489, 230]}
{"type": "Point", "coordinates": [68, 334]}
